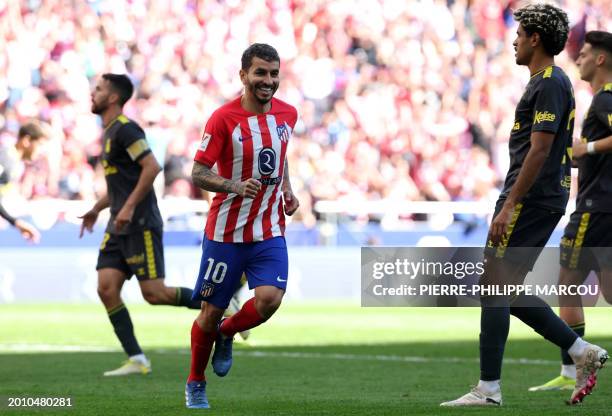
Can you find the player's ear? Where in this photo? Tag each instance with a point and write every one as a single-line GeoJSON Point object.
{"type": "Point", "coordinates": [113, 97]}
{"type": "Point", "coordinates": [243, 76]}
{"type": "Point", "coordinates": [601, 58]}
{"type": "Point", "coordinates": [535, 39]}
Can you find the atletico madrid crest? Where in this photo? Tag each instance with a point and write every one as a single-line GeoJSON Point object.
{"type": "Point", "coordinates": [207, 289]}
{"type": "Point", "coordinates": [283, 132]}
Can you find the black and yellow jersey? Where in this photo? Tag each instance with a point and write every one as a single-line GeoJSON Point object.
{"type": "Point", "coordinates": [547, 105]}
{"type": "Point", "coordinates": [595, 170]}
{"type": "Point", "coordinates": [124, 144]}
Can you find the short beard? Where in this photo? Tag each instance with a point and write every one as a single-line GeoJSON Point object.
{"type": "Point", "coordinates": [98, 109]}
{"type": "Point", "coordinates": [253, 88]}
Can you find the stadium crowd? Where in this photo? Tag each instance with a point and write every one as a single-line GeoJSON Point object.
{"type": "Point", "coordinates": [398, 100]}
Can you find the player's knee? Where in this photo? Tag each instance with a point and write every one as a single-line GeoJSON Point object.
{"type": "Point", "coordinates": [152, 297]}
{"type": "Point", "coordinates": [108, 293]}
{"type": "Point", "coordinates": [268, 304]}
{"type": "Point", "coordinates": [209, 318]}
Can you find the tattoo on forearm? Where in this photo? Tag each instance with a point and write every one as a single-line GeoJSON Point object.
{"type": "Point", "coordinates": [203, 177]}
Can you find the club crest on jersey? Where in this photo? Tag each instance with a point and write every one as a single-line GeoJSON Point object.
{"type": "Point", "coordinates": [266, 161]}
{"type": "Point", "coordinates": [205, 140]}
{"type": "Point", "coordinates": [207, 289]}
{"type": "Point", "coordinates": [283, 132]}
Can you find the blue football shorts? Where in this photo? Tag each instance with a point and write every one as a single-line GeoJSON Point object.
{"type": "Point", "coordinates": [265, 263]}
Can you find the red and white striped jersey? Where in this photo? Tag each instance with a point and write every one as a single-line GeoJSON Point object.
{"type": "Point", "coordinates": [246, 145]}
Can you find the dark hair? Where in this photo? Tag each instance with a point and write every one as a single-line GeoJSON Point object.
{"type": "Point", "coordinates": [549, 21]}
{"type": "Point", "coordinates": [259, 50]}
{"type": "Point", "coordinates": [31, 129]}
{"type": "Point", "coordinates": [600, 40]}
{"type": "Point", "coordinates": [122, 85]}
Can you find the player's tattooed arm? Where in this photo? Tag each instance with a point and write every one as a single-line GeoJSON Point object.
{"type": "Point", "coordinates": [203, 177]}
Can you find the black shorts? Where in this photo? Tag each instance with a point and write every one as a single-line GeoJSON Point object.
{"type": "Point", "coordinates": [140, 253]}
{"type": "Point", "coordinates": [587, 241]}
{"type": "Point", "coordinates": [527, 234]}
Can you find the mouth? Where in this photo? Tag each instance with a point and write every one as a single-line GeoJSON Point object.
{"type": "Point", "coordinates": [265, 90]}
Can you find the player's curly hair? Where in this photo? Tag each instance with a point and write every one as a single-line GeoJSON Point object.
{"type": "Point", "coordinates": [549, 21]}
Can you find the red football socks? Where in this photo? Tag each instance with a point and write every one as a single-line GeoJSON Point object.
{"type": "Point", "coordinates": [245, 318]}
{"type": "Point", "coordinates": [201, 345]}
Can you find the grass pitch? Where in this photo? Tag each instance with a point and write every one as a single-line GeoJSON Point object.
{"type": "Point", "coordinates": [323, 359]}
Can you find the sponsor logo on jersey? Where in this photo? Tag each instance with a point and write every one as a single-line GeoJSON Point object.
{"type": "Point", "coordinates": [517, 126]}
{"type": "Point", "coordinates": [270, 181]}
{"type": "Point", "coordinates": [136, 259]}
{"type": "Point", "coordinates": [566, 182]}
{"type": "Point", "coordinates": [541, 116]}
{"type": "Point", "coordinates": [267, 161]}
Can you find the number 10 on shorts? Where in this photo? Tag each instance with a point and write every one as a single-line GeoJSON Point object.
{"type": "Point", "coordinates": [218, 273]}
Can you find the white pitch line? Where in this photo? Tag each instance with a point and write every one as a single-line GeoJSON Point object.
{"type": "Point", "coordinates": [394, 358]}
{"type": "Point", "coordinates": [47, 348]}
{"type": "Point", "coordinates": [29, 348]}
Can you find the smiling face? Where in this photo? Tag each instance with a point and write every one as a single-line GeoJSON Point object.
{"type": "Point", "coordinates": [261, 80]}
{"type": "Point", "coordinates": [524, 46]}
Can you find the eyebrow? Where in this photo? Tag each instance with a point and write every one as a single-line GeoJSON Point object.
{"type": "Point", "coordinates": [259, 69]}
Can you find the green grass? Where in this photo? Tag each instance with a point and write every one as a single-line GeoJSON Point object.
{"type": "Point", "coordinates": [321, 359]}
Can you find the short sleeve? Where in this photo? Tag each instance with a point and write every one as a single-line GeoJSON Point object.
{"type": "Point", "coordinates": [551, 102]}
{"type": "Point", "coordinates": [603, 109]}
{"type": "Point", "coordinates": [132, 138]}
{"type": "Point", "coordinates": [213, 140]}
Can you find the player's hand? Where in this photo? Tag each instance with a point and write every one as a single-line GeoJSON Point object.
{"type": "Point", "coordinates": [28, 231]}
{"type": "Point", "coordinates": [291, 202]}
{"type": "Point", "coordinates": [249, 188]}
{"type": "Point", "coordinates": [500, 223]}
{"type": "Point", "coordinates": [124, 217]}
{"type": "Point", "coordinates": [579, 149]}
{"type": "Point", "coordinates": [89, 219]}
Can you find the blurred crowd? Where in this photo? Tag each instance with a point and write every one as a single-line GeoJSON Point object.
{"type": "Point", "coordinates": [398, 100]}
